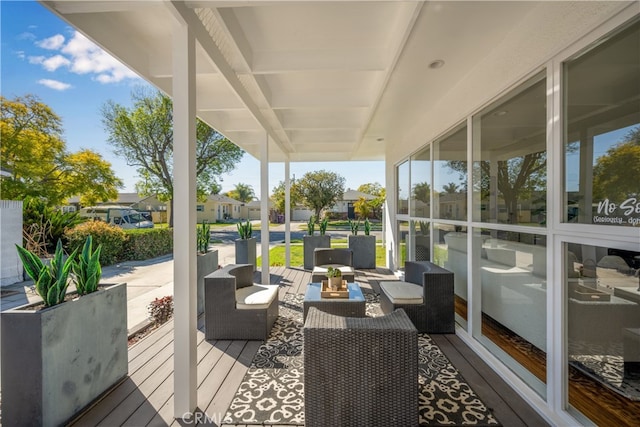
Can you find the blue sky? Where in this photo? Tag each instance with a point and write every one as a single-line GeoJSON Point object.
{"type": "Point", "coordinates": [44, 56]}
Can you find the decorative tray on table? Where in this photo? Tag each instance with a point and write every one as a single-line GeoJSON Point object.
{"type": "Point", "coordinates": [327, 292]}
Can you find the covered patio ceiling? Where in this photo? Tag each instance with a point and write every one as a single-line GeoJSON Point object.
{"type": "Point", "coordinates": [327, 80]}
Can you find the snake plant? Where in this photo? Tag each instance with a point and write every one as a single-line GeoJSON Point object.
{"type": "Point", "coordinates": [203, 235]}
{"type": "Point", "coordinates": [51, 281]}
{"type": "Point", "coordinates": [311, 225]}
{"type": "Point", "coordinates": [245, 230]}
{"type": "Point", "coordinates": [87, 269]}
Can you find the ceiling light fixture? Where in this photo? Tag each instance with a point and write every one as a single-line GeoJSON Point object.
{"type": "Point", "coordinates": [438, 63]}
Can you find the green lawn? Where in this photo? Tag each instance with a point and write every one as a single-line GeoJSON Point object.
{"type": "Point", "coordinates": [277, 254]}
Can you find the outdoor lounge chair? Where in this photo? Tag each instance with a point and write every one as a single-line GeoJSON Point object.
{"type": "Point", "coordinates": [360, 371]}
{"type": "Point", "coordinates": [235, 307]}
{"type": "Point", "coordinates": [340, 258]}
{"type": "Point", "coordinates": [426, 295]}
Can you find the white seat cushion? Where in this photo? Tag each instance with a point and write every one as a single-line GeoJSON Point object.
{"type": "Point", "coordinates": [256, 296]}
{"type": "Point", "coordinates": [344, 269]}
{"type": "Point", "coordinates": [403, 292]}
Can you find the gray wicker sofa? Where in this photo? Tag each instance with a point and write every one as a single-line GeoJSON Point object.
{"type": "Point", "coordinates": [426, 295]}
{"type": "Point", "coordinates": [360, 371]}
{"type": "Point", "coordinates": [340, 258]}
{"type": "Point", "coordinates": [237, 308]}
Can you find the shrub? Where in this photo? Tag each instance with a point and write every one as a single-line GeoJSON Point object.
{"type": "Point", "coordinates": [111, 237]}
{"type": "Point", "coordinates": [145, 243]}
{"type": "Point", "coordinates": [43, 225]}
{"type": "Point", "coordinates": [161, 309]}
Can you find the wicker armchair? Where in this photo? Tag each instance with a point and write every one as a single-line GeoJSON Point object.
{"type": "Point", "coordinates": [426, 295]}
{"type": "Point", "coordinates": [340, 258]}
{"type": "Point", "coordinates": [235, 307]}
{"type": "Point", "coordinates": [360, 371]}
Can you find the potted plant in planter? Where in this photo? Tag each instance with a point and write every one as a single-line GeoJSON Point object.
{"type": "Point", "coordinates": [246, 245]}
{"type": "Point", "coordinates": [61, 354]}
{"type": "Point", "coordinates": [364, 247]}
{"type": "Point", "coordinates": [334, 278]}
{"type": "Point", "coordinates": [310, 242]}
{"type": "Point", "coordinates": [207, 260]}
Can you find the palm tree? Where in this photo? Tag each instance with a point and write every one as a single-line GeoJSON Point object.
{"type": "Point", "coordinates": [450, 188]}
{"type": "Point", "coordinates": [242, 192]}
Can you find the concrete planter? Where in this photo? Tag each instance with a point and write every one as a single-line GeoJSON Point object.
{"type": "Point", "coordinates": [364, 251]}
{"type": "Point", "coordinates": [310, 243]}
{"type": "Point", "coordinates": [206, 263]}
{"type": "Point", "coordinates": [246, 251]}
{"type": "Point", "coordinates": [56, 361]}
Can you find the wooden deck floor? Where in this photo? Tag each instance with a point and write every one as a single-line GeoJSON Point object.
{"type": "Point", "coordinates": [145, 398]}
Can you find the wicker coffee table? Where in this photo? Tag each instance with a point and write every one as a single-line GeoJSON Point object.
{"type": "Point", "coordinates": [354, 306]}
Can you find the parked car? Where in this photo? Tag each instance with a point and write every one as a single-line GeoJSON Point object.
{"type": "Point", "coordinates": [122, 216]}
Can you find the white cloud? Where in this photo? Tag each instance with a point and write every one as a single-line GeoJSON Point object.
{"type": "Point", "coordinates": [55, 62]}
{"type": "Point", "coordinates": [20, 54]}
{"type": "Point", "coordinates": [26, 36]}
{"type": "Point", "coordinates": [52, 43]}
{"type": "Point", "coordinates": [81, 56]}
{"type": "Point", "coordinates": [54, 84]}
{"type": "Point", "coordinates": [36, 59]}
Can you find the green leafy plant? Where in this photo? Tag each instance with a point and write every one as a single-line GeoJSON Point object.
{"type": "Point", "coordinates": [87, 269]}
{"type": "Point", "coordinates": [44, 225]}
{"type": "Point", "coordinates": [161, 309]}
{"type": "Point", "coordinates": [424, 227]}
{"type": "Point", "coordinates": [334, 272]}
{"type": "Point", "coordinates": [245, 230]}
{"type": "Point", "coordinates": [311, 225]}
{"type": "Point", "coordinates": [51, 281]}
{"type": "Point", "coordinates": [112, 238]}
{"type": "Point", "coordinates": [367, 227]}
{"type": "Point", "coordinates": [203, 236]}
{"type": "Point", "coordinates": [355, 226]}
{"type": "Point", "coordinates": [323, 226]}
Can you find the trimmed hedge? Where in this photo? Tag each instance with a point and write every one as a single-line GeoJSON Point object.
{"type": "Point", "coordinates": [148, 243]}
{"type": "Point", "coordinates": [111, 237]}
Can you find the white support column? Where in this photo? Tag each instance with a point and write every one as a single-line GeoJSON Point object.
{"type": "Point", "coordinates": [264, 208]}
{"type": "Point", "coordinates": [184, 215]}
{"type": "Point", "coordinates": [287, 214]}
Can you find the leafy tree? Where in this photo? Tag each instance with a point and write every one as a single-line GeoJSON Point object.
{"type": "Point", "coordinates": [517, 178]}
{"type": "Point", "coordinates": [35, 154]}
{"type": "Point", "coordinates": [278, 196]}
{"type": "Point", "coordinates": [143, 135]}
{"type": "Point", "coordinates": [363, 207]}
{"type": "Point", "coordinates": [321, 189]}
{"type": "Point", "coordinates": [242, 192]}
{"type": "Point", "coordinates": [422, 192]}
{"type": "Point", "coordinates": [376, 204]}
{"type": "Point", "coordinates": [615, 175]}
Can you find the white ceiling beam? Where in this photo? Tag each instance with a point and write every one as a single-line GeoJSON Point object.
{"type": "Point", "coordinates": [405, 23]}
{"type": "Point", "coordinates": [215, 55]}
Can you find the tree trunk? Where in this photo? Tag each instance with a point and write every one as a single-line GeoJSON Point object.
{"type": "Point", "coordinates": [171, 213]}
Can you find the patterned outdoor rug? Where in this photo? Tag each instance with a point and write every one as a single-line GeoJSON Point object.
{"type": "Point", "coordinates": [272, 390]}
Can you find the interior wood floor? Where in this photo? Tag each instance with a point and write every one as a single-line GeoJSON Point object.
{"type": "Point", "coordinates": [599, 403]}
{"type": "Point", "coordinates": [145, 397]}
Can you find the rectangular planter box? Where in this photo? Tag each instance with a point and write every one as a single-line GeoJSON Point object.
{"type": "Point", "coordinates": [364, 251]}
{"type": "Point", "coordinates": [56, 361]}
{"type": "Point", "coordinates": [246, 251]}
{"type": "Point", "coordinates": [206, 263]}
{"type": "Point", "coordinates": [309, 244]}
